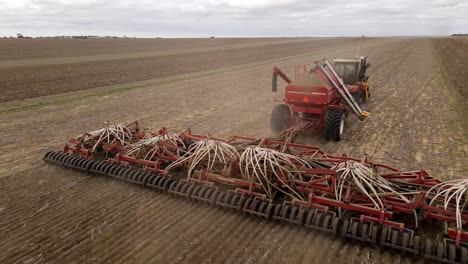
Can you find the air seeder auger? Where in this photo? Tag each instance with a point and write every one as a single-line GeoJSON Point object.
{"type": "Point", "coordinates": [322, 96]}
{"type": "Point", "coordinates": [278, 180]}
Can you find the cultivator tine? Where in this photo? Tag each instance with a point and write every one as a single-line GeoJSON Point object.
{"type": "Point", "coordinates": [57, 157]}
{"type": "Point", "coordinates": [173, 186]}
{"type": "Point", "coordinates": [179, 188]}
{"type": "Point", "coordinates": [118, 172]}
{"type": "Point", "coordinates": [291, 213]}
{"type": "Point", "coordinates": [65, 160]}
{"type": "Point", "coordinates": [139, 177]}
{"type": "Point", "coordinates": [239, 205]}
{"type": "Point", "coordinates": [123, 173]}
{"type": "Point", "coordinates": [220, 199]}
{"type": "Point", "coordinates": [108, 166]}
{"type": "Point", "coordinates": [86, 165]}
{"type": "Point", "coordinates": [232, 200]}
{"type": "Point", "coordinates": [78, 163]}
{"type": "Point", "coordinates": [158, 182]}
{"type": "Point", "coordinates": [207, 197]}
{"type": "Point", "coordinates": [200, 193]}
{"type": "Point", "coordinates": [47, 156]}
{"type": "Point", "coordinates": [184, 191]}
{"type": "Point", "coordinates": [153, 181]}
{"type": "Point", "coordinates": [68, 161]}
{"type": "Point", "coordinates": [101, 168]}
{"type": "Point", "coordinates": [258, 207]}
{"type": "Point", "coordinates": [114, 170]}
{"type": "Point", "coordinates": [62, 157]}
{"type": "Point", "coordinates": [194, 191]}
{"type": "Point", "coordinates": [95, 168]}
{"type": "Point", "coordinates": [165, 183]}
{"type": "Point", "coordinates": [214, 197]}
{"type": "Point", "coordinates": [224, 199]}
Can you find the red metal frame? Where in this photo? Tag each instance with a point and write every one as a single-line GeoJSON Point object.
{"type": "Point", "coordinates": [318, 185]}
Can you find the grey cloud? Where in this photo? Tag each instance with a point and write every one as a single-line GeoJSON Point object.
{"type": "Point", "coordinates": [444, 3]}
{"type": "Point", "coordinates": [201, 18]}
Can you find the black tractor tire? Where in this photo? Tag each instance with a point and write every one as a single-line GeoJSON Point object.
{"type": "Point", "coordinates": [280, 118]}
{"type": "Point", "coordinates": [334, 124]}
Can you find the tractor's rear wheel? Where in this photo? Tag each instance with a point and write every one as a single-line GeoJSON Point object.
{"type": "Point", "coordinates": [335, 124]}
{"type": "Point", "coordinates": [280, 117]}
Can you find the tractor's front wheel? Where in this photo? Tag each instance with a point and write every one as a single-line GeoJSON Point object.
{"type": "Point", "coordinates": [335, 124]}
{"type": "Point", "coordinates": [280, 117]}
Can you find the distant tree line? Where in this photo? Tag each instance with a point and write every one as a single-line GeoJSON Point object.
{"type": "Point", "coordinates": [19, 35]}
{"type": "Point", "coordinates": [459, 35]}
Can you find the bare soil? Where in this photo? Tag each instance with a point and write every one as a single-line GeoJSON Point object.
{"type": "Point", "coordinates": [51, 215]}
{"type": "Point", "coordinates": [46, 79]}
{"type": "Point", "coordinates": [18, 49]}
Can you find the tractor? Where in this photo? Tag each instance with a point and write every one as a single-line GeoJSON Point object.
{"type": "Point", "coordinates": [322, 96]}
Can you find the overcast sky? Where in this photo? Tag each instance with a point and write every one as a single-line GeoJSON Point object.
{"type": "Point", "coordinates": [233, 18]}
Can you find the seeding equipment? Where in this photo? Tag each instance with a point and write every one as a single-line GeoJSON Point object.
{"type": "Point", "coordinates": [322, 96]}
{"type": "Point", "coordinates": [281, 181]}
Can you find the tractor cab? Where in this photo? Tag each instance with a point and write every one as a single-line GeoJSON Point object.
{"type": "Point", "coordinates": [353, 70]}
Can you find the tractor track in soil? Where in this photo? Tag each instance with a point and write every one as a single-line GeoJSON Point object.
{"type": "Point", "coordinates": [52, 215]}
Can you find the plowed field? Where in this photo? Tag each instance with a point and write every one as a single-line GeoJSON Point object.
{"type": "Point", "coordinates": [50, 215]}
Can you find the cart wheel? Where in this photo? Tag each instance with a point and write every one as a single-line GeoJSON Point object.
{"type": "Point", "coordinates": [335, 124]}
{"type": "Point", "coordinates": [280, 117]}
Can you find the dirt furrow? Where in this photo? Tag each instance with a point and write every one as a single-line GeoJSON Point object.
{"type": "Point", "coordinates": [67, 225]}
{"type": "Point", "coordinates": [62, 204]}
{"type": "Point", "coordinates": [188, 236]}
{"type": "Point", "coordinates": [155, 222]}
{"type": "Point", "coordinates": [202, 248]}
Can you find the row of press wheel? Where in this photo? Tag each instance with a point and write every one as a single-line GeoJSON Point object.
{"type": "Point", "coordinates": [445, 251]}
